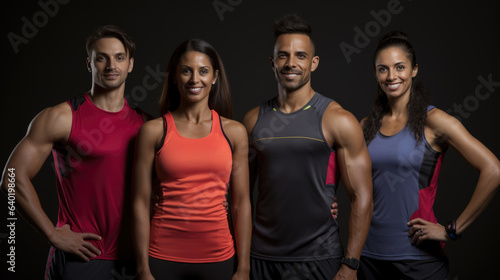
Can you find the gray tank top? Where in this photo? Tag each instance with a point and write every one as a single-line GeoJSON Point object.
{"type": "Point", "coordinates": [297, 181]}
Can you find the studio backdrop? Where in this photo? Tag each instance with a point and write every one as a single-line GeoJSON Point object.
{"type": "Point", "coordinates": [456, 44]}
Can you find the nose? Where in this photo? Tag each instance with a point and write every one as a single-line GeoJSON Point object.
{"type": "Point", "coordinates": [391, 75]}
{"type": "Point", "coordinates": [291, 62]}
{"type": "Point", "coordinates": [195, 77]}
{"type": "Point", "coordinates": [111, 64]}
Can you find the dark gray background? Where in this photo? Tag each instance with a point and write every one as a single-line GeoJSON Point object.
{"type": "Point", "coordinates": [456, 42]}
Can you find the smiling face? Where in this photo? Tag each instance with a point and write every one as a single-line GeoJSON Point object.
{"type": "Point", "coordinates": [293, 61]}
{"type": "Point", "coordinates": [394, 72]}
{"type": "Point", "coordinates": [195, 76]}
{"type": "Point", "coordinates": [109, 63]}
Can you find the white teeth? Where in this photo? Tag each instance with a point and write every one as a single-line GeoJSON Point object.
{"type": "Point", "coordinates": [394, 86]}
{"type": "Point", "coordinates": [195, 90]}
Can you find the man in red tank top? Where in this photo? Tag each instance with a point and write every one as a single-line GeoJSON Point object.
{"type": "Point", "coordinates": [91, 138]}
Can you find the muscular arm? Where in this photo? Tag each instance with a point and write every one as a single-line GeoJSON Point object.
{"type": "Point", "coordinates": [240, 196]}
{"type": "Point", "coordinates": [52, 126]}
{"type": "Point", "coordinates": [344, 131]}
{"type": "Point", "coordinates": [147, 139]}
{"type": "Point", "coordinates": [447, 128]}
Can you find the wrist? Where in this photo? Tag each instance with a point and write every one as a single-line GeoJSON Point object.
{"type": "Point", "coordinates": [451, 230]}
{"type": "Point", "coordinates": [352, 263]}
{"type": "Point", "coordinates": [243, 268]}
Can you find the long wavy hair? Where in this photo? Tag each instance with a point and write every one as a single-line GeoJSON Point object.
{"type": "Point", "coordinates": [420, 96]}
{"type": "Point", "coordinates": [219, 97]}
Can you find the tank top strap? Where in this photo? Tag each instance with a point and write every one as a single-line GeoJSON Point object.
{"type": "Point", "coordinates": [216, 122]}
{"type": "Point", "coordinates": [320, 102]}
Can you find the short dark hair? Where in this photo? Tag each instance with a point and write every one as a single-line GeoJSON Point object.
{"type": "Point", "coordinates": [111, 31]}
{"type": "Point", "coordinates": [292, 24]}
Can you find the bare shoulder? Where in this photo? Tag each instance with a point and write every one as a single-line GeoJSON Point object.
{"type": "Point", "coordinates": [250, 119]}
{"type": "Point", "coordinates": [339, 117]}
{"type": "Point", "coordinates": [152, 128]}
{"type": "Point", "coordinates": [52, 124]}
{"type": "Point", "coordinates": [234, 129]}
{"type": "Point", "coordinates": [340, 126]}
{"type": "Point", "coordinates": [440, 122]}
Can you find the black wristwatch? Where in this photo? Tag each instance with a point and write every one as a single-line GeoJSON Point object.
{"type": "Point", "coordinates": [451, 230]}
{"type": "Point", "coordinates": [351, 262]}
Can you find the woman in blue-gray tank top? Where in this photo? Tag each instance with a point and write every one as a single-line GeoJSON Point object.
{"type": "Point", "coordinates": [407, 139]}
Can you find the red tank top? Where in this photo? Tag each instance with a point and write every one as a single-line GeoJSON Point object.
{"type": "Point", "coordinates": [190, 224]}
{"type": "Point", "coordinates": [93, 175]}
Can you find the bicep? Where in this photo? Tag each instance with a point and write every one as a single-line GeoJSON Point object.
{"type": "Point", "coordinates": [144, 163]}
{"type": "Point", "coordinates": [239, 174]}
{"type": "Point", "coordinates": [46, 129]}
{"type": "Point", "coordinates": [353, 158]}
{"type": "Point", "coordinates": [471, 149]}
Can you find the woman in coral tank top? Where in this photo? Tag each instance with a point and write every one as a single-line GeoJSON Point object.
{"type": "Point", "coordinates": [198, 153]}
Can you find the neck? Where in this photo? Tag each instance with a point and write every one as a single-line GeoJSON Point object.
{"type": "Point", "coordinates": [110, 100]}
{"type": "Point", "coordinates": [398, 107]}
{"type": "Point", "coordinates": [195, 113]}
{"type": "Point", "coordinates": [291, 101]}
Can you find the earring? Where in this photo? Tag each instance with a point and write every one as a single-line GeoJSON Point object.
{"type": "Point", "coordinates": [213, 83]}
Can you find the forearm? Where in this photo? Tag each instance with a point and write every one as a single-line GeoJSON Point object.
{"type": "Point", "coordinates": [141, 229]}
{"type": "Point", "coordinates": [486, 188]}
{"type": "Point", "coordinates": [242, 222]}
{"type": "Point", "coordinates": [28, 205]}
{"type": "Point", "coordinates": [359, 224]}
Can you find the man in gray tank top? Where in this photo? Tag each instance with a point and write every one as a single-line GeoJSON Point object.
{"type": "Point", "coordinates": [301, 142]}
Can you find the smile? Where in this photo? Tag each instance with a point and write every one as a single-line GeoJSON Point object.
{"type": "Point", "coordinates": [194, 89]}
{"type": "Point", "coordinates": [394, 86]}
{"type": "Point", "coordinates": [290, 75]}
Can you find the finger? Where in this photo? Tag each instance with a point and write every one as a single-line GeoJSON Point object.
{"type": "Point", "coordinates": [417, 236]}
{"type": "Point", "coordinates": [87, 253]}
{"type": "Point", "coordinates": [90, 247]}
{"type": "Point", "coordinates": [88, 235]}
{"type": "Point", "coordinates": [421, 238]}
{"type": "Point", "coordinates": [412, 231]}
{"type": "Point", "coordinates": [417, 221]}
{"type": "Point", "coordinates": [81, 255]}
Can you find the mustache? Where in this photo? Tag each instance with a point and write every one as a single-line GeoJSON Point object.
{"type": "Point", "coordinates": [284, 72]}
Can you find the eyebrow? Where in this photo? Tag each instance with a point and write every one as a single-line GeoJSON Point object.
{"type": "Point", "coordinates": [397, 63]}
{"type": "Point", "coordinates": [105, 54]}
{"type": "Point", "coordinates": [204, 66]}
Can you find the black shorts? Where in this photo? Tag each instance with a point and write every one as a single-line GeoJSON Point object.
{"type": "Point", "coordinates": [162, 269]}
{"type": "Point", "coordinates": [306, 270]}
{"type": "Point", "coordinates": [373, 269]}
{"type": "Point", "coordinates": [63, 266]}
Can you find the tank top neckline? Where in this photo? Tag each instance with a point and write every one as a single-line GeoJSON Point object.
{"type": "Point", "coordinates": [212, 129]}
{"type": "Point", "coordinates": [121, 111]}
{"type": "Point", "coordinates": [393, 135]}
{"type": "Point", "coordinates": [305, 107]}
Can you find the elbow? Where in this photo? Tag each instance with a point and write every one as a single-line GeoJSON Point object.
{"type": "Point", "coordinates": [495, 173]}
